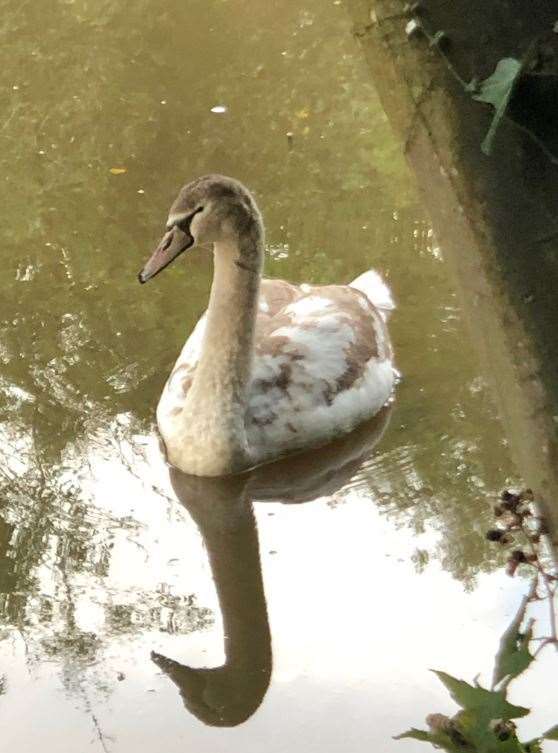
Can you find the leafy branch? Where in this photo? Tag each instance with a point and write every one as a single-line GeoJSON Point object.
{"type": "Point", "coordinates": [485, 723]}
{"type": "Point", "coordinates": [496, 90]}
{"type": "Point", "coordinates": [519, 523]}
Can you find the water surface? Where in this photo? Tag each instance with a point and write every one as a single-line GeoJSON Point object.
{"type": "Point", "coordinates": [320, 597]}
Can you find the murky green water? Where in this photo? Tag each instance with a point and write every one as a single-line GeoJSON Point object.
{"type": "Point", "coordinates": [319, 620]}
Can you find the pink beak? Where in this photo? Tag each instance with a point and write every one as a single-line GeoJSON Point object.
{"type": "Point", "coordinates": [173, 243]}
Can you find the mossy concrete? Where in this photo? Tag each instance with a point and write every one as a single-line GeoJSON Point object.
{"type": "Point", "coordinates": [496, 217]}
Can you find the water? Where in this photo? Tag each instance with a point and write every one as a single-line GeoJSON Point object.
{"type": "Point", "coordinates": [326, 601]}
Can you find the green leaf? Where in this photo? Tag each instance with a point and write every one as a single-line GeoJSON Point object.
{"type": "Point", "coordinates": [552, 733]}
{"type": "Point", "coordinates": [488, 704]}
{"type": "Point", "coordinates": [533, 746]}
{"type": "Point", "coordinates": [479, 734]}
{"type": "Point", "coordinates": [496, 90]}
{"type": "Point", "coordinates": [415, 734]}
{"type": "Point", "coordinates": [513, 656]}
{"type": "Point", "coordinates": [437, 739]}
{"type": "Point", "coordinates": [511, 746]}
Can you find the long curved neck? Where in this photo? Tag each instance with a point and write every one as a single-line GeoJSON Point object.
{"type": "Point", "coordinates": [216, 402]}
{"type": "Point", "coordinates": [225, 362]}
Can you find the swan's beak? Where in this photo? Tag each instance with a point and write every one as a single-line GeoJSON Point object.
{"type": "Point", "coordinates": [172, 245]}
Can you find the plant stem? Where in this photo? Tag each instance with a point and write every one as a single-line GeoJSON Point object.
{"type": "Point", "coordinates": [550, 590]}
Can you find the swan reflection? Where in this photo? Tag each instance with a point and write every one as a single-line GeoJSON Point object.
{"type": "Point", "coordinates": [222, 509]}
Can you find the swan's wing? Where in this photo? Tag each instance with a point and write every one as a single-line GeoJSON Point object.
{"type": "Point", "coordinates": [322, 365]}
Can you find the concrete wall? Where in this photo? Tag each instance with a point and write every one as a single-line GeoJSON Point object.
{"type": "Point", "coordinates": [496, 217]}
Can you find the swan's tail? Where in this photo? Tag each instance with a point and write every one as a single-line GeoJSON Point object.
{"type": "Point", "coordinates": [374, 288]}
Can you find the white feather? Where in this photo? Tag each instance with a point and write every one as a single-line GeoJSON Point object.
{"type": "Point", "coordinates": [375, 289]}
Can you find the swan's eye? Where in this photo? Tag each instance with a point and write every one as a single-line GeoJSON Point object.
{"type": "Point", "coordinates": [184, 223]}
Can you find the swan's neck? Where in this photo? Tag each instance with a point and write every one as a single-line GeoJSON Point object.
{"type": "Point", "coordinates": [214, 412]}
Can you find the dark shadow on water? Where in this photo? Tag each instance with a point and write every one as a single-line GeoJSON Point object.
{"type": "Point", "coordinates": [222, 509]}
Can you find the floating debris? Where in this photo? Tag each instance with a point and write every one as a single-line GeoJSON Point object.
{"type": "Point", "coordinates": [414, 28]}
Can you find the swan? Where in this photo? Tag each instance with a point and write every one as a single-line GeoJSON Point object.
{"type": "Point", "coordinates": [271, 368]}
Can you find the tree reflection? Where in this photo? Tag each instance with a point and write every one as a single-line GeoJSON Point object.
{"type": "Point", "coordinates": [51, 536]}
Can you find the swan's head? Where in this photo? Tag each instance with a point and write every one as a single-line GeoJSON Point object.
{"type": "Point", "coordinates": [208, 210]}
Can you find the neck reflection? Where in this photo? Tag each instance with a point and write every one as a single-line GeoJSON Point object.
{"type": "Point", "coordinates": [227, 695]}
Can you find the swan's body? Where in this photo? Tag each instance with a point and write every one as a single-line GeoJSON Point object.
{"type": "Point", "coordinates": [271, 368]}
